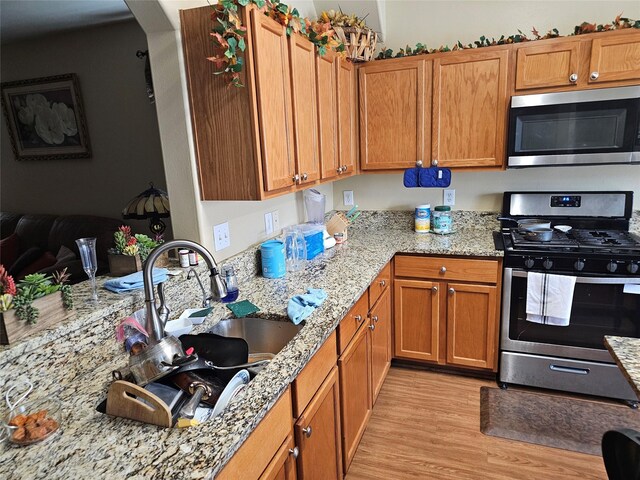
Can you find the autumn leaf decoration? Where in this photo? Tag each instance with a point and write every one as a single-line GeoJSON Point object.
{"type": "Point", "coordinates": [228, 34]}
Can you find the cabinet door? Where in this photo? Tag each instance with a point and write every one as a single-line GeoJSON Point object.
{"type": "Point", "coordinates": [355, 401]}
{"type": "Point", "coordinates": [472, 325]}
{"type": "Point", "coordinates": [327, 88]}
{"type": "Point", "coordinates": [470, 109]}
{"type": "Point", "coordinates": [346, 117]}
{"type": "Point", "coordinates": [416, 319]}
{"type": "Point", "coordinates": [554, 65]}
{"type": "Point", "coordinates": [274, 101]}
{"type": "Point", "coordinates": [305, 120]}
{"type": "Point", "coordinates": [615, 58]}
{"type": "Point", "coordinates": [283, 464]}
{"type": "Point", "coordinates": [380, 321]}
{"type": "Point", "coordinates": [318, 434]}
{"type": "Point", "coordinates": [395, 114]}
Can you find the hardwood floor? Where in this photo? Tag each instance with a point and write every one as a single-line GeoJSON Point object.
{"type": "Point", "coordinates": [426, 425]}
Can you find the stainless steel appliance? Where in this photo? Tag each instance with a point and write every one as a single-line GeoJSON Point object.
{"type": "Point", "coordinates": [589, 127]}
{"type": "Point", "coordinates": [604, 257]}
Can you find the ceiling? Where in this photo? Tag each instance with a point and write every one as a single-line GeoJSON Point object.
{"type": "Point", "coordinates": [24, 19]}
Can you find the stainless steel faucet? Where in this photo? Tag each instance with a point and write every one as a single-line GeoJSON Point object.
{"type": "Point", "coordinates": [154, 325]}
{"type": "Point", "coordinates": [206, 299]}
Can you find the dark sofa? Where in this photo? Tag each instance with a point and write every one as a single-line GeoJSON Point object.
{"type": "Point", "coordinates": [46, 243]}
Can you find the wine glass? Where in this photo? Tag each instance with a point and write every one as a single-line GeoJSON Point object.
{"type": "Point", "coordinates": [87, 247]}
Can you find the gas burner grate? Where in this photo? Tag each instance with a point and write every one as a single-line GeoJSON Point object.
{"type": "Point", "coordinates": [605, 238]}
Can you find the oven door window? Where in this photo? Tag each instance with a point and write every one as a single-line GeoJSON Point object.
{"type": "Point", "coordinates": [595, 127]}
{"type": "Point", "coordinates": [598, 309]}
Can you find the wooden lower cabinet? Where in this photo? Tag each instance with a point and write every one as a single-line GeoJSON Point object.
{"type": "Point", "coordinates": [355, 387]}
{"type": "Point", "coordinates": [448, 321]}
{"type": "Point", "coordinates": [317, 434]}
{"type": "Point", "coordinates": [380, 326]}
{"type": "Point", "coordinates": [283, 464]}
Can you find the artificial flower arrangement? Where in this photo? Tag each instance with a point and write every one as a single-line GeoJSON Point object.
{"type": "Point", "coordinates": [131, 245]}
{"type": "Point", "coordinates": [21, 297]}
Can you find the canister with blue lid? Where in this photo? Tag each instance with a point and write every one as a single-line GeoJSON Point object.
{"type": "Point", "coordinates": [423, 218]}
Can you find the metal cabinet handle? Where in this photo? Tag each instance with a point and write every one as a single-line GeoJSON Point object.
{"type": "Point", "coordinates": [419, 163]}
{"type": "Point", "coordinates": [295, 451]}
{"type": "Point", "coordinates": [307, 431]}
{"type": "Point", "coordinates": [434, 163]}
{"type": "Point", "coordinates": [573, 78]}
{"type": "Point", "coordinates": [339, 170]}
{"type": "Point", "coordinates": [451, 291]}
{"type": "Point", "coordinates": [383, 283]}
{"type": "Point", "coordinates": [443, 269]}
{"type": "Point", "coordinates": [304, 176]}
{"type": "Point", "coordinates": [434, 289]}
{"type": "Point", "coordinates": [372, 327]}
{"type": "Point", "coordinates": [296, 178]}
{"type": "Point", "coordinates": [358, 318]}
{"type": "Point", "coordinates": [594, 75]}
{"type": "Point", "coordinates": [375, 318]}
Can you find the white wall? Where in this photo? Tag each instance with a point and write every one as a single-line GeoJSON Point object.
{"type": "Point", "coordinates": [122, 125]}
{"type": "Point", "coordinates": [438, 22]}
{"type": "Point", "coordinates": [193, 218]}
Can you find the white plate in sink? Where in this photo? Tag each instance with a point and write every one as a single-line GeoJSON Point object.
{"type": "Point", "coordinates": [235, 386]}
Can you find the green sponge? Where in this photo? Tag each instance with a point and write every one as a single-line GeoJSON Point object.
{"type": "Point", "coordinates": [242, 308]}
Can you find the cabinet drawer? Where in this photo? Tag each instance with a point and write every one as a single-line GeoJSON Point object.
{"type": "Point", "coordinates": [351, 322]}
{"type": "Point", "coordinates": [312, 376]}
{"type": "Point", "coordinates": [445, 268]}
{"type": "Point", "coordinates": [256, 453]}
{"type": "Point", "coordinates": [379, 285]}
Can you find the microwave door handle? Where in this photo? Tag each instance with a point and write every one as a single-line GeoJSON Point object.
{"type": "Point", "coordinates": [591, 280]}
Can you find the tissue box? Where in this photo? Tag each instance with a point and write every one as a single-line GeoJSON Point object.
{"type": "Point", "coordinates": [314, 239]}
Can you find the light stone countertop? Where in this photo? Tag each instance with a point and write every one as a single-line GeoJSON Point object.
{"type": "Point", "coordinates": [626, 353]}
{"type": "Point", "coordinates": [74, 361]}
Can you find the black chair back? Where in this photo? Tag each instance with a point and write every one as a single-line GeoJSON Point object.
{"type": "Point", "coordinates": [621, 454]}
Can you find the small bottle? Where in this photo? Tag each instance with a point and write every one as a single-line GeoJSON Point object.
{"type": "Point", "coordinates": [230, 279]}
{"type": "Point", "coordinates": [193, 258]}
{"type": "Point", "coordinates": [184, 257]}
{"type": "Point", "coordinates": [442, 219]}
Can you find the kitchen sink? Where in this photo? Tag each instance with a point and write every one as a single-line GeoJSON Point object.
{"type": "Point", "coordinates": [263, 336]}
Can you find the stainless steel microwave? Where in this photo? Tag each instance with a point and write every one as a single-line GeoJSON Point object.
{"type": "Point", "coordinates": [589, 127]}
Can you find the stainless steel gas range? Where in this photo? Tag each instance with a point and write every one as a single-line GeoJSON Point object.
{"type": "Point", "coordinates": [604, 257]}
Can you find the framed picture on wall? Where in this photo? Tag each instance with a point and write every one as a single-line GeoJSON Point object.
{"type": "Point", "coordinates": [45, 118]}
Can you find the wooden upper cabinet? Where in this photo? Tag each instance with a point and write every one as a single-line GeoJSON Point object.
{"type": "Point", "coordinates": [347, 125]}
{"type": "Point", "coordinates": [615, 59]}
{"type": "Point", "coordinates": [472, 325]}
{"type": "Point", "coordinates": [305, 119]}
{"type": "Point", "coordinates": [395, 113]}
{"type": "Point", "coordinates": [470, 108]}
{"type": "Point", "coordinates": [274, 101]}
{"type": "Point", "coordinates": [550, 65]}
{"type": "Point", "coordinates": [327, 88]}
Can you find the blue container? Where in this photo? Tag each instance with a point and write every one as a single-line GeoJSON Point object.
{"type": "Point", "coordinates": [273, 259]}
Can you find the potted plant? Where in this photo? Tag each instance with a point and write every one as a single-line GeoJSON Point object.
{"type": "Point", "coordinates": [130, 251]}
{"type": "Point", "coordinates": [37, 302]}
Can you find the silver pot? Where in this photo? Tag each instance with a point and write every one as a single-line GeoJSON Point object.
{"type": "Point", "coordinates": [527, 224]}
{"type": "Point", "coordinates": [539, 234]}
{"type": "Point", "coordinates": [157, 360]}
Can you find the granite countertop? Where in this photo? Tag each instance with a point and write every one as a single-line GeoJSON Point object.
{"type": "Point", "coordinates": [626, 353]}
{"type": "Point", "coordinates": [74, 361]}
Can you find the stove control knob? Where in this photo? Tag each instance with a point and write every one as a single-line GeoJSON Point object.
{"type": "Point", "coordinates": [632, 268]}
{"type": "Point", "coordinates": [528, 262]}
{"type": "Point", "coordinates": [548, 263]}
{"type": "Point", "coordinates": [612, 266]}
{"type": "Point", "coordinates": [579, 265]}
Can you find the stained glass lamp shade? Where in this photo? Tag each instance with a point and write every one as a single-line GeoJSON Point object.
{"type": "Point", "coordinates": [153, 204]}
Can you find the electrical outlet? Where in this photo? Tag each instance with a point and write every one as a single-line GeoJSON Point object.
{"type": "Point", "coordinates": [449, 197]}
{"type": "Point", "coordinates": [276, 220]}
{"type": "Point", "coordinates": [268, 223]}
{"type": "Point", "coordinates": [347, 197]}
{"type": "Point", "coordinates": [221, 237]}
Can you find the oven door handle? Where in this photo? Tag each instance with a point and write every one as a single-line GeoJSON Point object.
{"type": "Point", "coordinates": [591, 280]}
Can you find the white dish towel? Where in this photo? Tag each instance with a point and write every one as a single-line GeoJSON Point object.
{"type": "Point", "coordinates": [549, 298]}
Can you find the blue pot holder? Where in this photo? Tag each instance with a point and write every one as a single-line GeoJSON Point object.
{"type": "Point", "coordinates": [432, 177]}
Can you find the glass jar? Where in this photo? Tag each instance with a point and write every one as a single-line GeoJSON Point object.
{"type": "Point", "coordinates": [442, 219]}
{"type": "Point", "coordinates": [230, 279]}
